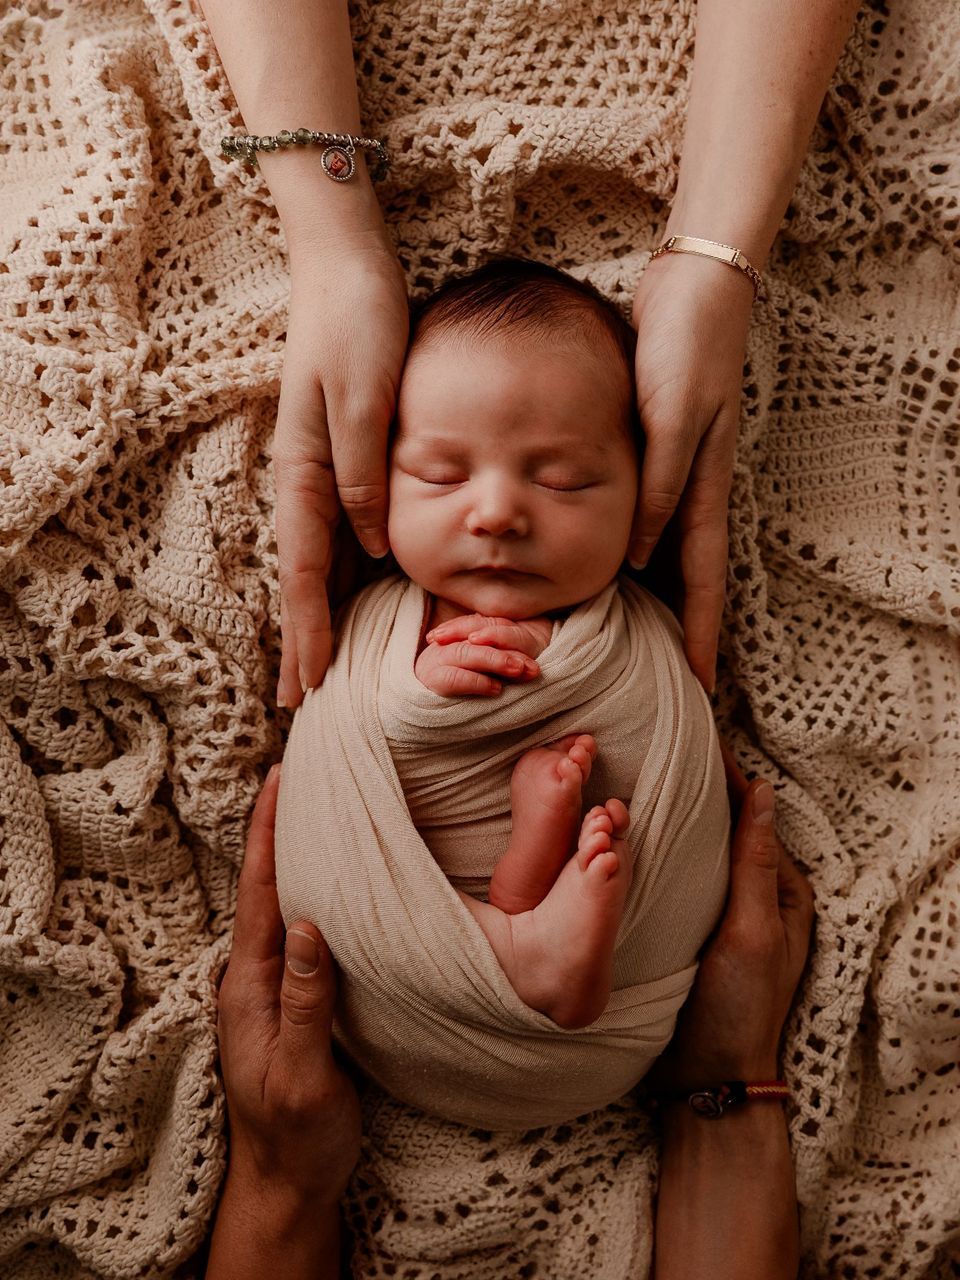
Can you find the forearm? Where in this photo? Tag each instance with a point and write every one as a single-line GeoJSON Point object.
{"type": "Point", "coordinates": [257, 1229]}
{"type": "Point", "coordinates": [291, 66]}
{"type": "Point", "coordinates": [761, 69]}
{"type": "Point", "coordinates": [726, 1208]}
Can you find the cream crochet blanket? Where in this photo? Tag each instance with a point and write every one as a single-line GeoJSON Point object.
{"type": "Point", "coordinates": [424, 1007]}
{"type": "Point", "coordinates": [143, 290]}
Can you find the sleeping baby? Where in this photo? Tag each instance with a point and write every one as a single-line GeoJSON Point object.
{"type": "Point", "coordinates": [505, 807]}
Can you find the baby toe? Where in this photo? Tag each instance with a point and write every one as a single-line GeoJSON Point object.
{"type": "Point", "coordinates": [603, 866]}
{"type": "Point", "coordinates": [619, 816]}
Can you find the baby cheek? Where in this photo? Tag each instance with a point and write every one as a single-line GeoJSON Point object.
{"type": "Point", "coordinates": [414, 540]}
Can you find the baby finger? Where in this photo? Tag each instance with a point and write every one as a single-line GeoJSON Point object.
{"type": "Point", "coordinates": [455, 629]}
{"type": "Point", "coordinates": [506, 635]}
{"type": "Point", "coordinates": [502, 662]}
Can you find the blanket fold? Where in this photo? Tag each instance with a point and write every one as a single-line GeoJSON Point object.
{"type": "Point", "coordinates": [425, 1007]}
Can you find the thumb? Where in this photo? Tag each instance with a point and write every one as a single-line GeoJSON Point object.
{"type": "Point", "coordinates": [755, 860]}
{"type": "Point", "coordinates": [307, 996]}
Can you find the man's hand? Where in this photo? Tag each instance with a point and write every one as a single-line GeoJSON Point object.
{"type": "Point", "coordinates": [465, 656]}
{"type": "Point", "coordinates": [294, 1114]}
{"type": "Point", "coordinates": [730, 1026]}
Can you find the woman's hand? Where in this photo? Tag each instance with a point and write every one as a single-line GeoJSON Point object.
{"type": "Point", "coordinates": [691, 315]}
{"type": "Point", "coordinates": [346, 340]}
{"type": "Point", "coordinates": [294, 1115]}
{"type": "Point", "coordinates": [729, 1028]}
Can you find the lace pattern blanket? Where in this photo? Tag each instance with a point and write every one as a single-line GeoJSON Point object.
{"type": "Point", "coordinates": [143, 289]}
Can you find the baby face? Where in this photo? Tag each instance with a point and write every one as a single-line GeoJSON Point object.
{"type": "Point", "coordinates": [513, 479]}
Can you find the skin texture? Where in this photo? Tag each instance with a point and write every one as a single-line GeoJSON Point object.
{"type": "Point", "coordinates": [509, 454]}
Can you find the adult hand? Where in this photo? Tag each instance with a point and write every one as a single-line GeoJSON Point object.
{"type": "Point", "coordinates": [294, 1115]}
{"type": "Point", "coordinates": [346, 340]}
{"type": "Point", "coordinates": [691, 315]}
{"type": "Point", "coordinates": [730, 1026]}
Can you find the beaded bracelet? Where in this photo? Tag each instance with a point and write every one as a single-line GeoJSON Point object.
{"type": "Point", "coordinates": [337, 160]}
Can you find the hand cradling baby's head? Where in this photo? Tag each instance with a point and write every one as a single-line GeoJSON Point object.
{"type": "Point", "coordinates": [515, 453]}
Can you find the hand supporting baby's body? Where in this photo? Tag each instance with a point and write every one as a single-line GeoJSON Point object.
{"type": "Point", "coordinates": [556, 897]}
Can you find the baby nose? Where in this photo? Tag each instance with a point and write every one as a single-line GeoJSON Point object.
{"type": "Point", "coordinates": [496, 512]}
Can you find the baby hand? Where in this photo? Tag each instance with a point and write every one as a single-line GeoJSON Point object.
{"type": "Point", "coordinates": [465, 655]}
{"type": "Point", "coordinates": [530, 635]}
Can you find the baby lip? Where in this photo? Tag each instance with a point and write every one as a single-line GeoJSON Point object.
{"type": "Point", "coordinates": [498, 568]}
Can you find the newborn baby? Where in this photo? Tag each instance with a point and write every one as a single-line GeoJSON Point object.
{"type": "Point", "coordinates": [475, 705]}
{"type": "Point", "coordinates": [513, 483]}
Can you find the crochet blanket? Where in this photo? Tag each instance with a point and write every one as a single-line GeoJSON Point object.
{"type": "Point", "coordinates": [424, 1007]}
{"type": "Point", "coordinates": [143, 289]}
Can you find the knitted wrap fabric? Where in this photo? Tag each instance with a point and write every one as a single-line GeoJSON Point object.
{"type": "Point", "coordinates": [424, 1007]}
{"type": "Point", "coordinates": [143, 305]}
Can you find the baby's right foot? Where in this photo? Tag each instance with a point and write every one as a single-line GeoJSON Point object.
{"type": "Point", "coordinates": [559, 956]}
{"type": "Point", "coordinates": [546, 794]}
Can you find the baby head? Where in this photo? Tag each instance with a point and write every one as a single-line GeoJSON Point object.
{"type": "Point", "coordinates": [516, 445]}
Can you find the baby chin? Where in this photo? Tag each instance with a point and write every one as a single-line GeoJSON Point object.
{"type": "Point", "coordinates": [503, 593]}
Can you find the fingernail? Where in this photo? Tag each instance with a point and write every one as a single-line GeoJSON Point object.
{"type": "Point", "coordinates": [303, 678]}
{"type": "Point", "coordinates": [281, 698]}
{"type": "Point", "coordinates": [638, 564]}
{"type": "Point", "coordinates": [303, 956]}
{"type": "Point", "coordinates": [514, 665]}
{"type": "Point", "coordinates": [764, 799]}
{"type": "Point", "coordinates": [273, 773]}
{"type": "Point", "coordinates": [429, 636]}
{"type": "Point", "coordinates": [375, 543]}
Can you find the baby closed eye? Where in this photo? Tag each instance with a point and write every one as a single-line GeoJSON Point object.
{"type": "Point", "coordinates": [442, 481]}
{"type": "Point", "coordinates": [559, 484]}
{"type": "Point", "coordinates": [565, 486]}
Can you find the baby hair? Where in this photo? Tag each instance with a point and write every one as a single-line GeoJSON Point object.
{"type": "Point", "coordinates": [518, 295]}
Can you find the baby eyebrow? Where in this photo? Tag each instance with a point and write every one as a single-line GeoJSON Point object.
{"type": "Point", "coordinates": [568, 451]}
{"type": "Point", "coordinates": [431, 445]}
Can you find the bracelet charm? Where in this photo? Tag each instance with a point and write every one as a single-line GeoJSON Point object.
{"type": "Point", "coordinates": [711, 1101]}
{"type": "Point", "coordinates": [337, 159]}
{"type": "Point", "coordinates": [337, 163]}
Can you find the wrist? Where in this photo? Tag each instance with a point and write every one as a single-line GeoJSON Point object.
{"type": "Point", "coordinates": [707, 216]}
{"type": "Point", "coordinates": [318, 214]}
{"type": "Point", "coordinates": [287, 1198]}
{"type": "Point", "coordinates": [753, 1125]}
{"type": "Point", "coordinates": [706, 279]}
{"type": "Point", "coordinates": [256, 1225]}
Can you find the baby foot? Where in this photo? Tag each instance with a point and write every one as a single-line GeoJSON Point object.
{"type": "Point", "coordinates": [546, 799]}
{"type": "Point", "coordinates": [559, 956]}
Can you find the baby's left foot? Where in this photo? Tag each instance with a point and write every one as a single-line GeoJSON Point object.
{"type": "Point", "coordinates": [559, 956]}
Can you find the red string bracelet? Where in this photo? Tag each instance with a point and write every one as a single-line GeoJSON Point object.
{"type": "Point", "coordinates": [711, 1101]}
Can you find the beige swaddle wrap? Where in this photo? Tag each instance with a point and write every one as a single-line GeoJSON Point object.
{"type": "Point", "coordinates": [424, 1006]}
